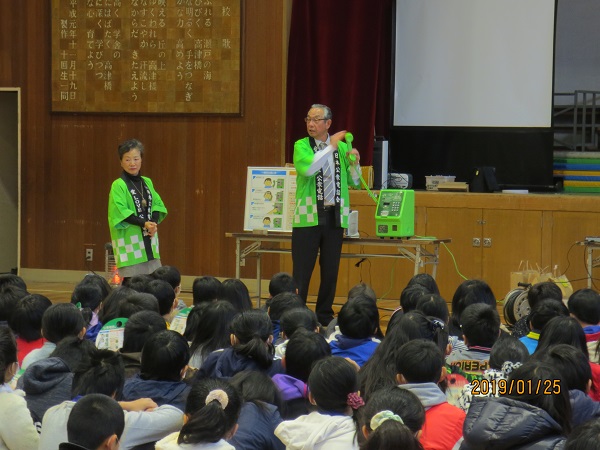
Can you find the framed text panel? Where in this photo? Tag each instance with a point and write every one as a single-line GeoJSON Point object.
{"type": "Point", "coordinates": [147, 56]}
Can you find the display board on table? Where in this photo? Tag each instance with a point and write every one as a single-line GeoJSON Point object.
{"type": "Point", "coordinates": [270, 199]}
{"type": "Point", "coordinates": [142, 56]}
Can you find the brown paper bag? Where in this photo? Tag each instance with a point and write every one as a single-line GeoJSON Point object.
{"type": "Point", "coordinates": [525, 274]}
{"type": "Point", "coordinates": [562, 282]}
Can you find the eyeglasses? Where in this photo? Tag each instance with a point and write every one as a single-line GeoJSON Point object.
{"type": "Point", "coordinates": [313, 120]}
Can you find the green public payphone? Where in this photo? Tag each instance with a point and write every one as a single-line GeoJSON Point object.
{"type": "Point", "coordinates": [395, 214]}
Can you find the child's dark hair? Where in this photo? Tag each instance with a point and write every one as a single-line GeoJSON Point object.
{"type": "Point", "coordinates": [10, 279]}
{"type": "Point", "coordinates": [562, 330]}
{"type": "Point", "coordinates": [94, 419]}
{"type": "Point", "coordinates": [331, 382]}
{"type": "Point", "coordinates": [213, 407]}
{"type": "Point", "coordinates": [87, 296]}
{"type": "Point", "coordinates": [425, 280]}
{"type": "Point", "coordinates": [205, 289]}
{"type": "Point", "coordinates": [480, 324]}
{"type": "Point", "coordinates": [420, 361]}
{"type": "Point", "coordinates": [410, 296]}
{"type": "Point", "coordinates": [215, 319]}
{"type": "Point", "coordinates": [256, 387]}
{"type": "Point", "coordinates": [138, 283]}
{"type": "Point", "coordinates": [554, 401]}
{"type": "Point", "coordinates": [139, 328]}
{"type": "Point", "coordinates": [164, 356]}
{"type": "Point", "coordinates": [61, 320]}
{"type": "Point", "coordinates": [141, 301]}
{"type": "Point", "coordinates": [397, 415]}
{"type": "Point", "coordinates": [235, 292]}
{"type": "Point", "coordinates": [282, 282]}
{"type": "Point", "coordinates": [303, 349]}
{"type": "Point", "coordinates": [585, 436]}
{"type": "Point", "coordinates": [252, 329]}
{"type": "Point", "coordinates": [435, 306]}
{"type": "Point", "coordinates": [507, 348]}
{"type": "Point", "coordinates": [74, 352]}
{"type": "Point", "coordinates": [298, 318]}
{"type": "Point", "coordinates": [103, 373]}
{"type": "Point", "coordinates": [546, 290]}
{"type": "Point", "coordinates": [584, 304]}
{"type": "Point", "coordinates": [544, 311]}
{"type": "Point", "coordinates": [26, 318]}
{"type": "Point", "coordinates": [93, 279]}
{"type": "Point", "coordinates": [571, 363]}
{"type": "Point", "coordinates": [468, 293]}
{"type": "Point", "coordinates": [9, 297]}
{"type": "Point", "coordinates": [282, 302]}
{"type": "Point", "coordinates": [165, 295]}
{"type": "Point", "coordinates": [170, 274]}
{"type": "Point", "coordinates": [362, 289]}
{"type": "Point", "coordinates": [110, 305]}
{"type": "Point", "coordinates": [8, 350]}
{"type": "Point", "coordinates": [359, 318]}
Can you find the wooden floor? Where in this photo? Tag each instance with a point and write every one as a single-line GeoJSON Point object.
{"type": "Point", "coordinates": [61, 292]}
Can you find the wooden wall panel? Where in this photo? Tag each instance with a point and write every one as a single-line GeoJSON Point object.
{"type": "Point", "coordinates": [198, 163]}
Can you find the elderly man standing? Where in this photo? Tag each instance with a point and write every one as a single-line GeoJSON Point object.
{"type": "Point", "coordinates": [324, 164]}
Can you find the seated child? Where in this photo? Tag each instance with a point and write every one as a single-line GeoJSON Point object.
{"type": "Point", "coordinates": [235, 292]}
{"type": "Point", "coordinates": [164, 363]}
{"type": "Point", "coordinates": [281, 282]}
{"type": "Point", "coordinates": [293, 320]}
{"type": "Point", "coordinates": [88, 298]}
{"type": "Point", "coordinates": [139, 328]}
{"type": "Point", "coordinates": [333, 386]}
{"type": "Point", "coordinates": [165, 295]}
{"type": "Point", "coordinates": [546, 290]}
{"type": "Point", "coordinates": [584, 305]}
{"type": "Point", "coordinates": [251, 348]}
{"type": "Point", "coordinates": [136, 302]}
{"type": "Point", "coordinates": [260, 412]}
{"type": "Point", "coordinates": [26, 322]}
{"type": "Point", "coordinates": [522, 418]}
{"type": "Point", "coordinates": [303, 350]}
{"type": "Point", "coordinates": [211, 415]}
{"type": "Point", "coordinates": [419, 365]}
{"type": "Point", "coordinates": [278, 305]}
{"type": "Point", "coordinates": [16, 427]}
{"type": "Point", "coordinates": [213, 334]}
{"type": "Point", "coordinates": [543, 312]}
{"type": "Point", "coordinates": [97, 422]}
{"type": "Point", "coordinates": [104, 374]}
{"type": "Point", "coordinates": [171, 275]}
{"type": "Point", "coordinates": [575, 376]}
{"type": "Point", "coordinates": [205, 289]}
{"type": "Point", "coordinates": [59, 321]}
{"type": "Point", "coordinates": [507, 354]}
{"type": "Point", "coordinates": [392, 418]}
{"type": "Point", "coordinates": [481, 328]}
{"type": "Point", "coordinates": [358, 321]}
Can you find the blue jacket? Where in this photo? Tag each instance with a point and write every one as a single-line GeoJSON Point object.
{"type": "Point", "coordinates": [256, 428]}
{"type": "Point", "coordinates": [583, 407]}
{"type": "Point", "coordinates": [226, 363]}
{"type": "Point", "coordinates": [358, 350]}
{"type": "Point", "coordinates": [172, 393]}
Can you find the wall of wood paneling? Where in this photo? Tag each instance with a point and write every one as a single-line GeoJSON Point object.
{"type": "Point", "coordinates": [198, 163]}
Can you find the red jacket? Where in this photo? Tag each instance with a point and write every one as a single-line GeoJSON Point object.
{"type": "Point", "coordinates": [443, 427]}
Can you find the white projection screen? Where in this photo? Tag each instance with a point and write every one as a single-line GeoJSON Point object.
{"type": "Point", "coordinates": [474, 63]}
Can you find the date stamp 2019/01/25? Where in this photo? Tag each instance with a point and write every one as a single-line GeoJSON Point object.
{"type": "Point", "coordinates": [519, 387]}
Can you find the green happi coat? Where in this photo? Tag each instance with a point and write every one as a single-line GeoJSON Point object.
{"type": "Point", "coordinates": [305, 213]}
{"type": "Point", "coordinates": [127, 239]}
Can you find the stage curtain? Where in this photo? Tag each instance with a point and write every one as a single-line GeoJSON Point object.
{"type": "Point", "coordinates": [340, 55]}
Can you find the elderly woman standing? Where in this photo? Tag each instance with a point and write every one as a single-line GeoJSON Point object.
{"type": "Point", "coordinates": [134, 211]}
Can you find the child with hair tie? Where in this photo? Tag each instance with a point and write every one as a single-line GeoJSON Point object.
{"type": "Point", "coordinates": [392, 419]}
{"type": "Point", "coordinates": [333, 386]}
{"type": "Point", "coordinates": [210, 418]}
